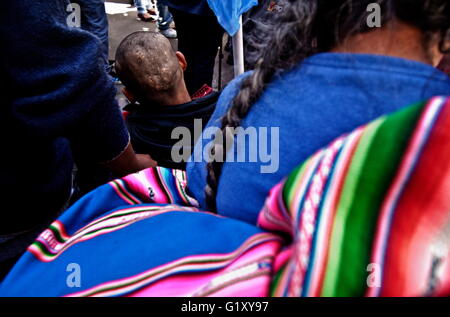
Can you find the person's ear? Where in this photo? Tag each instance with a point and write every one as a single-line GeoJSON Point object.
{"type": "Point", "coordinates": [181, 60]}
{"type": "Point", "coordinates": [129, 95]}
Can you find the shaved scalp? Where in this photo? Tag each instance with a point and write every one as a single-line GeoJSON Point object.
{"type": "Point", "coordinates": [147, 65]}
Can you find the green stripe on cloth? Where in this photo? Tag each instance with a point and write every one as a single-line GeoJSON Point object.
{"type": "Point", "coordinates": [343, 210]}
{"type": "Point", "coordinates": [276, 281]}
{"type": "Point", "coordinates": [376, 174]}
{"type": "Point", "coordinates": [290, 187]}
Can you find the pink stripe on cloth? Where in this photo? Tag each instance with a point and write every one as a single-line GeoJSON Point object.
{"type": "Point", "coordinates": [308, 219]}
{"type": "Point", "coordinates": [159, 185]}
{"type": "Point", "coordinates": [248, 276]}
{"type": "Point", "coordinates": [144, 184]}
{"type": "Point", "coordinates": [329, 209]}
{"type": "Point", "coordinates": [272, 217]}
{"type": "Point", "coordinates": [120, 191]}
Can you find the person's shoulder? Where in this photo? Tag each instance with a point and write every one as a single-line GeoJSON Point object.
{"type": "Point", "coordinates": [226, 97]}
{"type": "Point", "coordinates": [234, 86]}
{"type": "Point", "coordinates": [212, 97]}
{"type": "Point", "coordinates": [230, 91]}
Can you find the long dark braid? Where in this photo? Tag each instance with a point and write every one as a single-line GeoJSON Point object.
{"type": "Point", "coordinates": [289, 35]}
{"type": "Point", "coordinates": [306, 27]}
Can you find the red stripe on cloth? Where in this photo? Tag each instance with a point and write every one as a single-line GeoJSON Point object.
{"type": "Point", "coordinates": [418, 240]}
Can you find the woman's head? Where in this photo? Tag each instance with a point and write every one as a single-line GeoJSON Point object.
{"type": "Point", "coordinates": [312, 26]}
{"type": "Point", "coordinates": [307, 27]}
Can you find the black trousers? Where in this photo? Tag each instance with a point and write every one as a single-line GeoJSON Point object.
{"type": "Point", "coordinates": [198, 39]}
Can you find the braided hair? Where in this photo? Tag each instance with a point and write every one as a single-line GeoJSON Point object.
{"type": "Point", "coordinates": [302, 29]}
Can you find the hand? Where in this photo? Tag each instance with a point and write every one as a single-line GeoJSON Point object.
{"type": "Point", "coordinates": [129, 162]}
{"type": "Point", "coordinates": [145, 161]}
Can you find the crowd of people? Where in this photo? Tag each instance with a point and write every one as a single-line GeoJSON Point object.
{"type": "Point", "coordinates": [319, 72]}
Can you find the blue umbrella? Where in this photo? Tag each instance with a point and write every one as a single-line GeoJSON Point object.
{"type": "Point", "coordinates": [228, 12]}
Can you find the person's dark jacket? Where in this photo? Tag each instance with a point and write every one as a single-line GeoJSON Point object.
{"type": "Point", "coordinates": [151, 127]}
{"type": "Point", "coordinates": [57, 105]}
{"type": "Point", "coordinates": [199, 7]}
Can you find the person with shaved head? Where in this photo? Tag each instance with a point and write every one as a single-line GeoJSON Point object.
{"type": "Point", "coordinates": [153, 76]}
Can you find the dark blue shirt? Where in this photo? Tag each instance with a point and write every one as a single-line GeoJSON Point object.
{"type": "Point", "coordinates": [57, 105]}
{"type": "Point", "coordinates": [329, 95]}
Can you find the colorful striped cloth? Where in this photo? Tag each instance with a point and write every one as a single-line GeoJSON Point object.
{"type": "Point", "coordinates": [367, 216]}
{"type": "Point", "coordinates": [143, 236]}
{"type": "Point", "coordinates": [370, 214]}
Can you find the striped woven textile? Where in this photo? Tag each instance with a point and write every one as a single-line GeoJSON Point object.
{"type": "Point", "coordinates": [370, 214]}
{"type": "Point", "coordinates": [143, 235]}
{"type": "Point", "coordinates": [367, 216]}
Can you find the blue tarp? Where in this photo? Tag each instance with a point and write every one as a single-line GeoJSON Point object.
{"type": "Point", "coordinates": [229, 11]}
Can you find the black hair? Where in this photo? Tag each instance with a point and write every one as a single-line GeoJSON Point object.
{"type": "Point", "coordinates": [307, 27]}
